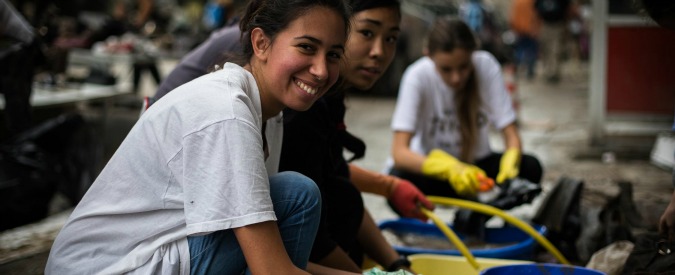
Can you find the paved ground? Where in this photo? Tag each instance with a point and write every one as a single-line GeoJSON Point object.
{"type": "Point", "coordinates": [553, 121]}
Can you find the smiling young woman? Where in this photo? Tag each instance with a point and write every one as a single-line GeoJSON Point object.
{"type": "Point", "coordinates": [190, 190]}
{"type": "Point", "coordinates": [313, 140]}
{"type": "Point", "coordinates": [305, 61]}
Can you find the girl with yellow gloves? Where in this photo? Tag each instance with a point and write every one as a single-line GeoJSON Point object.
{"type": "Point", "coordinates": [447, 101]}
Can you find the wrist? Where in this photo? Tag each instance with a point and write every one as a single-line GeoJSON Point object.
{"type": "Point", "coordinates": [401, 262]}
{"type": "Point", "coordinates": [392, 182]}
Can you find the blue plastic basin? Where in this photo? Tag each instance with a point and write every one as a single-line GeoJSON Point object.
{"type": "Point", "coordinates": [521, 249]}
{"type": "Point", "coordinates": [543, 269]}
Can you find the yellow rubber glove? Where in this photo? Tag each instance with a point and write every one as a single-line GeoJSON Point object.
{"type": "Point", "coordinates": [462, 177]}
{"type": "Point", "coordinates": [508, 165]}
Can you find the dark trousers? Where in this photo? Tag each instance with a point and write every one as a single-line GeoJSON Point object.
{"type": "Point", "coordinates": [341, 216]}
{"type": "Point", "coordinates": [526, 53]}
{"type": "Point", "coordinates": [530, 169]}
{"type": "Point", "coordinates": [139, 67]}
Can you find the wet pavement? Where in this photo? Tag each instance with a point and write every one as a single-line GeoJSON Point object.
{"type": "Point", "coordinates": [553, 120]}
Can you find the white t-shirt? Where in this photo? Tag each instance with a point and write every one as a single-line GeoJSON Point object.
{"type": "Point", "coordinates": [192, 164]}
{"type": "Point", "coordinates": [426, 107]}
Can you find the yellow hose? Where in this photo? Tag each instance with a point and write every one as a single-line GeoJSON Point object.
{"type": "Point", "coordinates": [487, 209]}
{"type": "Point", "coordinates": [452, 236]}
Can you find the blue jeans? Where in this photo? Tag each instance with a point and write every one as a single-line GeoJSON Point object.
{"type": "Point", "coordinates": [297, 205]}
{"type": "Point", "coordinates": [527, 49]}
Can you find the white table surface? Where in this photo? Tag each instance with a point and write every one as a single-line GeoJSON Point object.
{"type": "Point", "coordinates": [71, 94]}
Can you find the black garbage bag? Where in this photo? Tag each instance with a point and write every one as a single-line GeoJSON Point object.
{"type": "Point", "coordinates": [58, 155]}
{"type": "Point", "coordinates": [513, 193]}
{"type": "Point", "coordinates": [584, 218]}
{"type": "Point", "coordinates": [560, 213]}
{"type": "Point", "coordinates": [26, 185]}
{"type": "Point", "coordinates": [652, 254]}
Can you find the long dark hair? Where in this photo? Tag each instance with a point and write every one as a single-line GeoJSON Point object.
{"type": "Point", "coordinates": [446, 35]}
{"type": "Point", "coordinates": [273, 16]}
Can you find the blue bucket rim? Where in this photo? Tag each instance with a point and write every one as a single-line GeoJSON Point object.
{"type": "Point", "coordinates": [545, 265]}
{"type": "Point", "coordinates": [498, 252]}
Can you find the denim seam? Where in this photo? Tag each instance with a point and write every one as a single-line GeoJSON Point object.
{"type": "Point", "coordinates": [202, 251]}
{"type": "Point", "coordinates": [297, 244]}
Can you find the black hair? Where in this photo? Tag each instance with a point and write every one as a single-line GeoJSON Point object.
{"type": "Point", "coordinates": [361, 5]}
{"type": "Point", "coordinates": [272, 16]}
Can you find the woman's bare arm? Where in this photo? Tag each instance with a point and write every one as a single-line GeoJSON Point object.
{"type": "Point", "coordinates": [404, 158]}
{"type": "Point", "coordinates": [511, 137]}
{"type": "Point", "coordinates": [264, 250]}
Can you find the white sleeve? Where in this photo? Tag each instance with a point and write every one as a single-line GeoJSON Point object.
{"type": "Point", "coordinates": [275, 136]}
{"type": "Point", "coordinates": [224, 177]}
{"type": "Point", "coordinates": [493, 91]}
{"type": "Point", "coordinates": [409, 101]}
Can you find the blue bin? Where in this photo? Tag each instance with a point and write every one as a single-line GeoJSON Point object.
{"type": "Point", "coordinates": [521, 249]}
{"type": "Point", "coordinates": [543, 269]}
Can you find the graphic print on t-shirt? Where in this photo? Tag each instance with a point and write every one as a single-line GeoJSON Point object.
{"type": "Point", "coordinates": [445, 130]}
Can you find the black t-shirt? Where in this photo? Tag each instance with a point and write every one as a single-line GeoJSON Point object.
{"type": "Point", "coordinates": [313, 146]}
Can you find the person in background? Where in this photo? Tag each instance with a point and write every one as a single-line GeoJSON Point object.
{"type": "Point", "coordinates": [220, 45]}
{"type": "Point", "coordinates": [553, 15]}
{"type": "Point", "coordinates": [220, 13]}
{"type": "Point", "coordinates": [473, 14]}
{"type": "Point", "coordinates": [447, 102]}
{"type": "Point", "coordinates": [193, 188]}
{"type": "Point", "coordinates": [481, 19]}
{"type": "Point", "coordinates": [314, 141]}
{"type": "Point", "coordinates": [144, 19]}
{"type": "Point", "coordinates": [19, 53]}
{"type": "Point", "coordinates": [134, 15]}
{"type": "Point", "coordinates": [525, 23]}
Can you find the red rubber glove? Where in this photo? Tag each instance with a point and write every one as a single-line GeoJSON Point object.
{"type": "Point", "coordinates": [405, 198]}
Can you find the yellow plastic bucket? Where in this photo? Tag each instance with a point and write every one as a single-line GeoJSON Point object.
{"type": "Point", "coordinates": [434, 264]}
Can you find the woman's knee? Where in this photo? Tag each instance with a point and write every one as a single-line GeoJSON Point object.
{"type": "Point", "coordinates": [293, 186]}
{"type": "Point", "coordinates": [297, 182]}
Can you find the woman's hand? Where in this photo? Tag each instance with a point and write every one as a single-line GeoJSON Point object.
{"type": "Point", "coordinates": [406, 198]}
{"type": "Point", "coordinates": [463, 177]}
{"type": "Point", "coordinates": [508, 165]}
